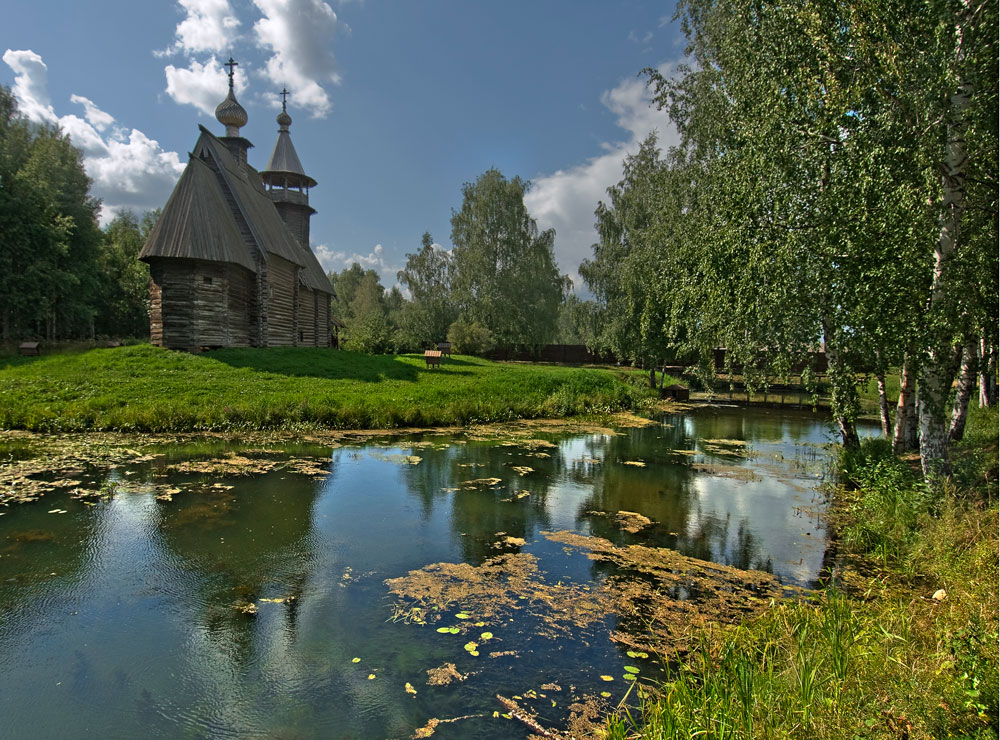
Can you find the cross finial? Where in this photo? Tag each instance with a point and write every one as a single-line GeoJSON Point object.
{"type": "Point", "coordinates": [231, 64]}
{"type": "Point", "coordinates": [284, 97]}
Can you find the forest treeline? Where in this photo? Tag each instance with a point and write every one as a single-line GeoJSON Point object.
{"type": "Point", "coordinates": [61, 275]}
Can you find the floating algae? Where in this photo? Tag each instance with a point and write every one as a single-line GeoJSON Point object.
{"type": "Point", "coordinates": [444, 675]}
{"type": "Point", "coordinates": [659, 594]}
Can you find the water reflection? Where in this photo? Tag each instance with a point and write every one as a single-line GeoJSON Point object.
{"type": "Point", "coordinates": [132, 615]}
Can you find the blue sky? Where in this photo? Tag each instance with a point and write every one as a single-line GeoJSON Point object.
{"type": "Point", "coordinates": [395, 104]}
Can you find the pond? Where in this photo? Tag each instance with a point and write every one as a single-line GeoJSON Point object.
{"type": "Point", "coordinates": [394, 586]}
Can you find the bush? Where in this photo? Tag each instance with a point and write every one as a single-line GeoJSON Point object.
{"type": "Point", "coordinates": [470, 338]}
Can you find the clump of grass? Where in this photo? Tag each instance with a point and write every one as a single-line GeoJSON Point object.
{"type": "Point", "coordinates": [870, 656]}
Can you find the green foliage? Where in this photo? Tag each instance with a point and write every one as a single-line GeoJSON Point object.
{"type": "Point", "coordinates": [144, 388]}
{"type": "Point", "coordinates": [368, 313]}
{"type": "Point", "coordinates": [504, 271]}
{"type": "Point", "coordinates": [888, 505]}
{"type": "Point", "coordinates": [124, 308]}
{"type": "Point", "coordinates": [578, 322]}
{"type": "Point", "coordinates": [470, 337]}
{"type": "Point", "coordinates": [425, 318]}
{"type": "Point", "coordinates": [49, 254]}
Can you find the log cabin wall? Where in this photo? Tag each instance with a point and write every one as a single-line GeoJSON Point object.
{"type": "Point", "coordinates": [307, 318]}
{"type": "Point", "coordinates": [281, 302]}
{"type": "Point", "coordinates": [173, 282]}
{"type": "Point", "coordinates": [210, 304]}
{"type": "Point", "coordinates": [325, 325]}
{"type": "Point", "coordinates": [155, 308]}
{"type": "Point", "coordinates": [240, 291]}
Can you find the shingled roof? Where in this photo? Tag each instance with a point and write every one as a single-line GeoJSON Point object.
{"type": "Point", "coordinates": [196, 222]}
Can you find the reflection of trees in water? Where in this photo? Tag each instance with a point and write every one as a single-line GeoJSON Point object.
{"type": "Point", "coordinates": [664, 489]}
{"type": "Point", "coordinates": [709, 539]}
{"type": "Point", "coordinates": [479, 512]}
{"type": "Point", "coordinates": [238, 546]}
{"type": "Point", "coordinates": [661, 491]}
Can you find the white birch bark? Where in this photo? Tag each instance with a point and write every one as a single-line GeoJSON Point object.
{"type": "Point", "coordinates": [935, 378]}
{"type": "Point", "coordinates": [966, 384]}
{"type": "Point", "coordinates": [904, 437]}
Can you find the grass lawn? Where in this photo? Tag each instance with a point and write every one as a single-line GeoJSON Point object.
{"type": "Point", "coordinates": [145, 388]}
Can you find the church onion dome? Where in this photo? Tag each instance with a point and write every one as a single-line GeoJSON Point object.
{"type": "Point", "coordinates": [229, 112]}
{"type": "Point", "coordinates": [284, 120]}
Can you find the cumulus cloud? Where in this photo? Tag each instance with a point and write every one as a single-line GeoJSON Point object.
{"type": "Point", "coordinates": [31, 84]}
{"type": "Point", "coordinates": [128, 169]}
{"type": "Point", "coordinates": [94, 115]}
{"type": "Point", "coordinates": [299, 34]}
{"type": "Point", "coordinates": [208, 25]}
{"type": "Point", "coordinates": [565, 200]}
{"type": "Point", "coordinates": [202, 85]}
{"type": "Point", "coordinates": [335, 261]}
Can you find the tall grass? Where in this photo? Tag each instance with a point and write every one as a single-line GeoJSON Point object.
{"type": "Point", "coordinates": [143, 388]}
{"type": "Point", "coordinates": [873, 655]}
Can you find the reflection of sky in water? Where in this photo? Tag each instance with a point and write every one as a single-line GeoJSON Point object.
{"type": "Point", "coordinates": [122, 615]}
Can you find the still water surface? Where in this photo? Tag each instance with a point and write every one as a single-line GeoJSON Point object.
{"type": "Point", "coordinates": [119, 620]}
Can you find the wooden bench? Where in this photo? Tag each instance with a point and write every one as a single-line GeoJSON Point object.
{"type": "Point", "coordinates": [432, 357]}
{"type": "Point", "coordinates": [29, 348]}
{"type": "Point", "coordinates": [445, 349]}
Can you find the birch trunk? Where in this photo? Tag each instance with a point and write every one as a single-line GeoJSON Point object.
{"type": "Point", "coordinates": [966, 383]}
{"type": "Point", "coordinates": [987, 366]}
{"type": "Point", "coordinates": [904, 436]}
{"type": "Point", "coordinates": [935, 380]}
{"type": "Point", "coordinates": [883, 404]}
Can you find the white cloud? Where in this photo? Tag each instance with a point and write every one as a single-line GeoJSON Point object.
{"type": "Point", "coordinates": [209, 25]}
{"type": "Point", "coordinates": [299, 34]}
{"type": "Point", "coordinates": [636, 39]}
{"type": "Point", "coordinates": [94, 115]}
{"type": "Point", "coordinates": [202, 85]}
{"type": "Point", "coordinates": [335, 261]}
{"type": "Point", "coordinates": [128, 169]}
{"type": "Point", "coordinates": [31, 84]}
{"type": "Point", "coordinates": [565, 200]}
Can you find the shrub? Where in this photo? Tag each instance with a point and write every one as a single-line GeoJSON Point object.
{"type": "Point", "coordinates": [470, 338]}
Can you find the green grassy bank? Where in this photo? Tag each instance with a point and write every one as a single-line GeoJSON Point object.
{"type": "Point", "coordinates": [144, 388]}
{"type": "Point", "coordinates": [901, 644]}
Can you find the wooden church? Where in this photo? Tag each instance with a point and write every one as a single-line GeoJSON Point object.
{"type": "Point", "coordinates": [229, 259]}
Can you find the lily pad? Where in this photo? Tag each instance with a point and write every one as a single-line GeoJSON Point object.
{"type": "Point", "coordinates": [631, 669]}
{"type": "Point", "coordinates": [463, 615]}
{"type": "Point", "coordinates": [637, 654]}
{"type": "Point", "coordinates": [486, 636]}
{"type": "Point", "coordinates": [607, 678]}
{"type": "Point", "coordinates": [606, 694]}
{"type": "Point", "coordinates": [355, 660]}
{"type": "Point", "coordinates": [444, 629]}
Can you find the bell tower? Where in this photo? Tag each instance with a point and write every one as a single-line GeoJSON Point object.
{"type": "Point", "coordinates": [286, 182]}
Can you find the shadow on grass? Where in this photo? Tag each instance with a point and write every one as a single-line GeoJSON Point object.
{"type": "Point", "coordinates": [331, 364]}
{"type": "Point", "coordinates": [12, 360]}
